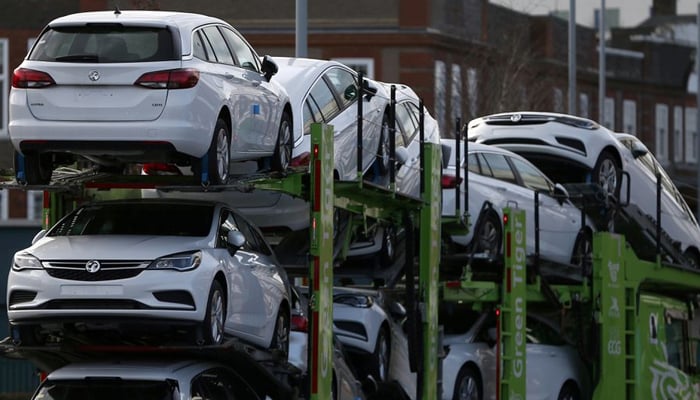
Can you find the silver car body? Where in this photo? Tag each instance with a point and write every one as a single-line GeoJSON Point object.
{"type": "Point", "coordinates": [560, 220]}
{"type": "Point", "coordinates": [95, 108]}
{"type": "Point", "coordinates": [64, 289]}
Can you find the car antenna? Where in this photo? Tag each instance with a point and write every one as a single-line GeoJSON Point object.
{"type": "Point", "coordinates": [117, 11]}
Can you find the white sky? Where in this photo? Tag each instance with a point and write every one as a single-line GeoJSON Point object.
{"type": "Point", "coordinates": [632, 12]}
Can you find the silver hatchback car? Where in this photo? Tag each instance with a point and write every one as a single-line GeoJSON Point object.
{"type": "Point", "coordinates": [145, 86]}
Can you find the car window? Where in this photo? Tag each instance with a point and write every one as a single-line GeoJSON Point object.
{"type": "Point", "coordinates": [485, 168]}
{"type": "Point", "coordinates": [104, 43]}
{"type": "Point", "coordinates": [309, 117]}
{"type": "Point", "coordinates": [499, 167]}
{"type": "Point", "coordinates": [473, 163]}
{"type": "Point", "coordinates": [405, 122]}
{"type": "Point", "coordinates": [457, 318]}
{"type": "Point", "coordinates": [241, 50]}
{"type": "Point", "coordinates": [532, 178]}
{"type": "Point", "coordinates": [343, 84]}
{"type": "Point", "coordinates": [221, 384]}
{"type": "Point", "coordinates": [107, 389]}
{"type": "Point", "coordinates": [538, 332]}
{"type": "Point", "coordinates": [198, 49]}
{"type": "Point", "coordinates": [322, 97]}
{"type": "Point", "coordinates": [221, 50]}
{"type": "Point", "coordinates": [257, 242]}
{"type": "Point", "coordinates": [227, 224]}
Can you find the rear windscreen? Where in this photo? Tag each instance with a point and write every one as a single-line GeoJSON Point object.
{"type": "Point", "coordinates": [107, 389]}
{"type": "Point", "coordinates": [104, 43]}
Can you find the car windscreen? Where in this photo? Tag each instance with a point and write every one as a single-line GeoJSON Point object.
{"type": "Point", "coordinates": [160, 219]}
{"type": "Point", "coordinates": [107, 389]}
{"type": "Point", "coordinates": [104, 43]}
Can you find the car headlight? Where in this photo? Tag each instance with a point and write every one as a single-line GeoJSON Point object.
{"type": "Point", "coordinates": [179, 262]}
{"type": "Point", "coordinates": [354, 300]}
{"type": "Point", "coordinates": [24, 261]}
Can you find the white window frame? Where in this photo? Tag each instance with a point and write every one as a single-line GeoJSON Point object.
{"type": "Point", "coordinates": [367, 63]}
{"type": "Point", "coordinates": [583, 107]}
{"type": "Point", "coordinates": [691, 136]}
{"type": "Point", "coordinates": [629, 117]}
{"type": "Point", "coordinates": [609, 113]}
{"type": "Point", "coordinates": [558, 100]}
{"type": "Point", "coordinates": [34, 197]}
{"type": "Point", "coordinates": [456, 91]}
{"type": "Point", "coordinates": [440, 92]}
{"type": "Point", "coordinates": [661, 132]}
{"type": "Point", "coordinates": [4, 85]}
{"type": "Point", "coordinates": [678, 134]}
{"type": "Point", "coordinates": [4, 200]}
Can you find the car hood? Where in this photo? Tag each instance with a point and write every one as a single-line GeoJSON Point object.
{"type": "Point", "coordinates": [116, 247]}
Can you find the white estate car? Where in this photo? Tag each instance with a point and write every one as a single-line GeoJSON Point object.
{"type": "Point", "coordinates": [554, 368]}
{"type": "Point", "coordinates": [151, 262]}
{"type": "Point", "coordinates": [145, 86]}
{"type": "Point", "coordinates": [505, 179]}
{"type": "Point", "coordinates": [677, 219]}
{"type": "Point", "coordinates": [566, 148]}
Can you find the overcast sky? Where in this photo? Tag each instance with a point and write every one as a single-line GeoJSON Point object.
{"type": "Point", "coordinates": [632, 12]}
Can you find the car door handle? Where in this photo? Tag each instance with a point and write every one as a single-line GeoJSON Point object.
{"type": "Point", "coordinates": [501, 189]}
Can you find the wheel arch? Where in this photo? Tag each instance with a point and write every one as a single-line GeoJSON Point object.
{"type": "Point", "coordinates": [225, 115]}
{"type": "Point", "coordinates": [221, 279]}
{"type": "Point", "coordinates": [614, 152]}
{"type": "Point", "coordinates": [479, 377]}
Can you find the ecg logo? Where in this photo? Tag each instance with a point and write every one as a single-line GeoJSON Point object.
{"type": "Point", "coordinates": [614, 269]}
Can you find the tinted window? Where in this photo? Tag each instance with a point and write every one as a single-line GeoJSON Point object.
{"type": "Point", "coordinates": [343, 84]}
{"type": "Point", "coordinates": [137, 219]}
{"type": "Point", "coordinates": [457, 318]}
{"type": "Point", "coordinates": [406, 114]}
{"type": "Point", "coordinates": [106, 389]}
{"type": "Point", "coordinates": [327, 107]}
{"type": "Point", "coordinates": [221, 50]}
{"type": "Point", "coordinates": [538, 332]}
{"type": "Point", "coordinates": [108, 43]}
{"type": "Point", "coordinates": [499, 167]}
{"type": "Point", "coordinates": [532, 178]}
{"type": "Point", "coordinates": [473, 163]}
{"type": "Point", "coordinates": [198, 47]}
{"type": "Point", "coordinates": [221, 384]}
{"type": "Point", "coordinates": [243, 53]}
{"type": "Point", "coordinates": [308, 117]}
{"type": "Point", "coordinates": [228, 224]}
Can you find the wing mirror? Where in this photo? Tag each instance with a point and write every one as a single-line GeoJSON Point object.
{"type": "Point", "coordinates": [269, 67]}
{"type": "Point", "coordinates": [402, 155]}
{"type": "Point", "coordinates": [560, 191]}
{"type": "Point", "coordinates": [235, 240]}
{"type": "Point", "coordinates": [639, 149]}
{"type": "Point", "coordinates": [370, 89]}
{"type": "Point", "coordinates": [397, 310]}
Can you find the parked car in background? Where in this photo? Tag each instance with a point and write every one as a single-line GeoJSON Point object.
{"type": "Point", "coordinates": [500, 178]}
{"type": "Point", "coordinates": [677, 219]}
{"type": "Point", "coordinates": [565, 147]}
{"type": "Point", "coordinates": [146, 86]}
{"type": "Point", "coordinates": [554, 368]}
{"type": "Point", "coordinates": [158, 379]}
{"type": "Point", "coordinates": [173, 263]}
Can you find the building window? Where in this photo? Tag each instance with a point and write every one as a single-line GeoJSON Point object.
{"type": "Point", "coordinates": [4, 62]}
{"type": "Point", "coordinates": [583, 105]}
{"type": "Point", "coordinates": [677, 134]}
{"type": "Point", "coordinates": [691, 136]}
{"type": "Point", "coordinates": [629, 116]}
{"type": "Point", "coordinates": [472, 92]}
{"type": "Point", "coordinates": [558, 100]}
{"type": "Point", "coordinates": [662, 132]}
{"type": "Point", "coordinates": [609, 113]}
{"type": "Point", "coordinates": [440, 93]}
{"type": "Point", "coordinates": [4, 195]}
{"type": "Point", "coordinates": [35, 205]}
{"type": "Point", "coordinates": [364, 65]}
{"type": "Point", "coordinates": [456, 92]}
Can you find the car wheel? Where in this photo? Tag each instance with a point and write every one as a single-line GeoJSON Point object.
{"type": "Point", "coordinates": [215, 317]}
{"type": "Point", "coordinates": [607, 173]}
{"type": "Point", "coordinates": [38, 168]}
{"type": "Point", "coordinates": [383, 152]}
{"type": "Point", "coordinates": [218, 157]}
{"type": "Point", "coordinates": [388, 252]}
{"type": "Point", "coordinates": [280, 338]}
{"type": "Point", "coordinates": [467, 385]}
{"type": "Point", "coordinates": [569, 392]}
{"type": "Point", "coordinates": [692, 258]}
{"type": "Point", "coordinates": [379, 361]}
{"type": "Point", "coordinates": [283, 148]}
{"type": "Point", "coordinates": [488, 237]}
{"type": "Point", "coordinates": [583, 249]}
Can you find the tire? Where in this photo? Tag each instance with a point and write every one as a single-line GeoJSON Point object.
{"type": "Point", "coordinates": [383, 151]}
{"type": "Point", "coordinates": [607, 173]}
{"type": "Point", "coordinates": [38, 168]}
{"type": "Point", "coordinates": [215, 317]}
{"type": "Point", "coordinates": [218, 157]}
{"type": "Point", "coordinates": [488, 237]}
{"type": "Point", "coordinates": [280, 337]}
{"type": "Point", "coordinates": [387, 254]}
{"type": "Point", "coordinates": [582, 253]}
{"type": "Point", "coordinates": [380, 359]}
{"type": "Point", "coordinates": [283, 148]}
{"type": "Point", "coordinates": [468, 384]}
{"type": "Point", "coordinates": [569, 392]}
{"type": "Point", "coordinates": [692, 258]}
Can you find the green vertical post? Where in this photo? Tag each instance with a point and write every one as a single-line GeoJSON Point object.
{"type": "Point", "coordinates": [513, 313]}
{"type": "Point", "coordinates": [321, 265]}
{"type": "Point", "coordinates": [609, 294]}
{"type": "Point", "coordinates": [429, 266]}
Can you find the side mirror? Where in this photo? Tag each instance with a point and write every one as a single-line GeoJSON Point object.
{"type": "Point", "coordinates": [269, 67]}
{"type": "Point", "coordinates": [402, 155]}
{"type": "Point", "coordinates": [370, 89]}
{"type": "Point", "coordinates": [560, 191]}
{"type": "Point", "coordinates": [39, 235]}
{"type": "Point", "coordinates": [350, 92]}
{"type": "Point", "coordinates": [639, 149]}
{"type": "Point", "coordinates": [235, 240]}
{"type": "Point", "coordinates": [397, 310]}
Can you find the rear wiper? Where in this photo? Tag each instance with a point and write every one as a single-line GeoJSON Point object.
{"type": "Point", "coordinates": [79, 57]}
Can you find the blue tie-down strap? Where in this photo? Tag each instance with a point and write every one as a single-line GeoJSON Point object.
{"type": "Point", "coordinates": [256, 109]}
{"type": "Point", "coordinates": [205, 168]}
{"type": "Point", "coordinates": [20, 175]}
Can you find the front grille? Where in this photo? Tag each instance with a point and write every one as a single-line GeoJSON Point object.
{"type": "Point", "coordinates": [536, 142]}
{"type": "Point", "coordinates": [354, 327]}
{"type": "Point", "coordinates": [94, 304]}
{"type": "Point", "coordinates": [74, 270]}
{"type": "Point", "coordinates": [21, 296]}
{"type": "Point", "coordinates": [175, 296]}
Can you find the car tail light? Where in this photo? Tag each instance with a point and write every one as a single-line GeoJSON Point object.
{"type": "Point", "coordinates": [299, 323]}
{"type": "Point", "coordinates": [301, 160]}
{"type": "Point", "coordinates": [169, 79]}
{"type": "Point", "coordinates": [31, 79]}
{"type": "Point", "coordinates": [161, 169]}
{"type": "Point", "coordinates": [450, 182]}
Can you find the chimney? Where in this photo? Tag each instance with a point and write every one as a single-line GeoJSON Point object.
{"type": "Point", "coordinates": [663, 8]}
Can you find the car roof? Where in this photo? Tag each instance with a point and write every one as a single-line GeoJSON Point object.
{"type": "Point", "coordinates": [298, 74]}
{"type": "Point", "coordinates": [132, 369]}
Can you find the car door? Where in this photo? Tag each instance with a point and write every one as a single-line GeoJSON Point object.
{"type": "Point", "coordinates": [560, 221]}
{"type": "Point", "coordinates": [545, 360]}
